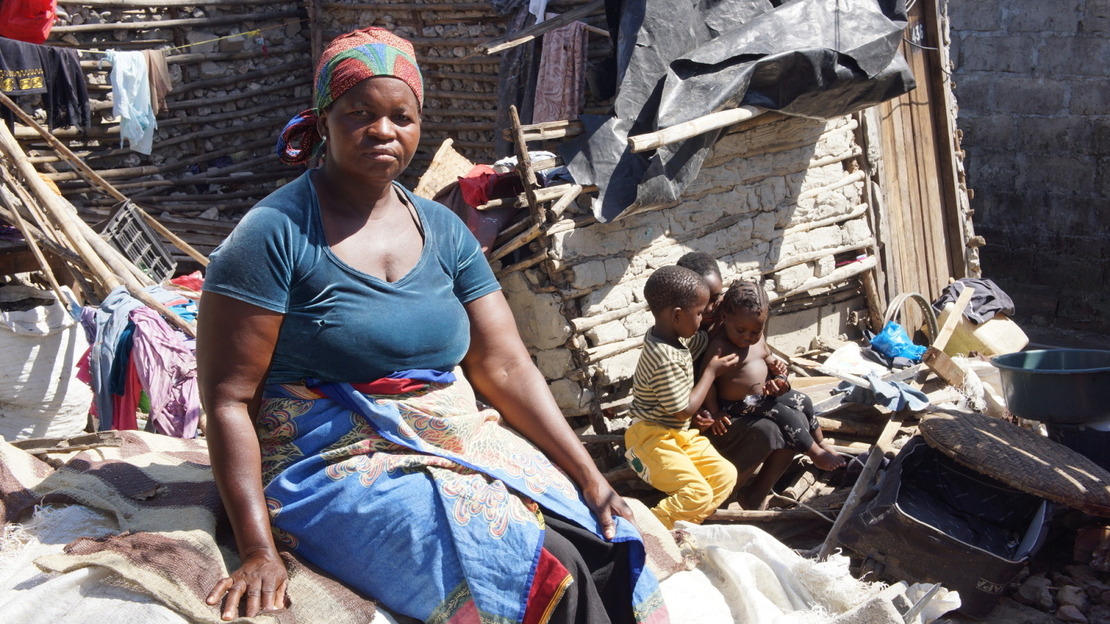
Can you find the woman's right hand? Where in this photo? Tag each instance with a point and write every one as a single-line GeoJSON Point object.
{"type": "Point", "coordinates": [261, 580]}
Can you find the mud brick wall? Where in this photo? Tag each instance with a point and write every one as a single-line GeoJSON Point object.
{"type": "Point", "coordinates": [1034, 102]}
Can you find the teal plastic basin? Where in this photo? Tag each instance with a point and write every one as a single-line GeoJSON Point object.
{"type": "Point", "coordinates": [1068, 386]}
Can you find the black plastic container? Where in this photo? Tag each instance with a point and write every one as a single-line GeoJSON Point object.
{"type": "Point", "coordinates": [935, 521]}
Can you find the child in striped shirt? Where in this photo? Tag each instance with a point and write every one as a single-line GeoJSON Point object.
{"type": "Point", "coordinates": [661, 446]}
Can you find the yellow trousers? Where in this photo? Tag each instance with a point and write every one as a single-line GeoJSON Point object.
{"type": "Point", "coordinates": [682, 464]}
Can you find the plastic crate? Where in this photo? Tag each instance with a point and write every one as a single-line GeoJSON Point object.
{"type": "Point", "coordinates": [138, 242]}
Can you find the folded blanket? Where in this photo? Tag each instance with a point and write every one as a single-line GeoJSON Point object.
{"type": "Point", "coordinates": [161, 493]}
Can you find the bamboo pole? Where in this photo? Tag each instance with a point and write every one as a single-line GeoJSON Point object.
{"type": "Point", "coordinates": [858, 211]}
{"type": "Point", "coordinates": [537, 230]}
{"type": "Point", "coordinates": [61, 214]}
{"type": "Point", "coordinates": [793, 261]}
{"type": "Point", "coordinates": [103, 260]}
{"type": "Point", "coordinates": [750, 516]}
{"type": "Point", "coordinates": [148, 4]}
{"type": "Point", "coordinates": [411, 6]}
{"type": "Point", "coordinates": [838, 275]}
{"type": "Point", "coordinates": [96, 180]}
{"type": "Point", "coordinates": [519, 37]}
{"type": "Point", "coordinates": [268, 72]}
{"type": "Point", "coordinates": [692, 128]}
{"type": "Point", "coordinates": [104, 65]}
{"type": "Point", "coordinates": [145, 170]}
{"type": "Point", "coordinates": [32, 244]}
{"type": "Point", "coordinates": [288, 85]}
{"type": "Point", "coordinates": [171, 23]}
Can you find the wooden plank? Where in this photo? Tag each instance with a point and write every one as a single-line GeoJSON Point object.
{"type": "Point", "coordinates": [939, 362]}
{"type": "Point", "coordinates": [945, 129]}
{"type": "Point", "coordinates": [923, 113]}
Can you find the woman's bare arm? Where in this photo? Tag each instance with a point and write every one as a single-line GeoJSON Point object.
{"type": "Point", "coordinates": [235, 343]}
{"type": "Point", "coordinates": [501, 370]}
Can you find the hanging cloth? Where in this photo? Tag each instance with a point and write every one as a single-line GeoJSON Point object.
{"type": "Point", "coordinates": [561, 78]}
{"type": "Point", "coordinates": [67, 97]}
{"type": "Point", "coordinates": [161, 83]}
{"type": "Point", "coordinates": [131, 94]}
{"type": "Point", "coordinates": [21, 68]}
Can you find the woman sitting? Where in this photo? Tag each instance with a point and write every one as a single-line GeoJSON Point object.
{"type": "Point", "coordinates": [343, 325]}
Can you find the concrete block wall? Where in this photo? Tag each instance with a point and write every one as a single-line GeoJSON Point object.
{"type": "Point", "coordinates": [1034, 104]}
{"type": "Point", "coordinates": [779, 200]}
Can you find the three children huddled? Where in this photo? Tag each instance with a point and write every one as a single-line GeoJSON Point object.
{"type": "Point", "coordinates": [737, 422]}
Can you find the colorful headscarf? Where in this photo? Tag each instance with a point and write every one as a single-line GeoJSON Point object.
{"type": "Point", "coordinates": [348, 60]}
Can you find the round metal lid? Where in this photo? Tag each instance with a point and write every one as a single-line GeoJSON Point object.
{"type": "Point", "coordinates": [1019, 458]}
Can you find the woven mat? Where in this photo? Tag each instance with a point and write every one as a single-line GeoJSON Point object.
{"type": "Point", "coordinates": [446, 168]}
{"type": "Point", "coordinates": [1020, 458]}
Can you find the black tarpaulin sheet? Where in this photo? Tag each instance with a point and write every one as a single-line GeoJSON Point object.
{"type": "Point", "coordinates": [679, 60]}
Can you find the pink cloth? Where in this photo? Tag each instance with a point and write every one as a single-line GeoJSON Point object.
{"type": "Point", "coordinates": [560, 83]}
{"type": "Point", "coordinates": [125, 406]}
{"type": "Point", "coordinates": [167, 369]}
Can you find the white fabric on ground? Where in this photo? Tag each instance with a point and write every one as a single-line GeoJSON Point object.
{"type": "Point", "coordinates": [744, 576]}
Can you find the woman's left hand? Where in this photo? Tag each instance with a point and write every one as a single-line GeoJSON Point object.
{"type": "Point", "coordinates": [605, 503]}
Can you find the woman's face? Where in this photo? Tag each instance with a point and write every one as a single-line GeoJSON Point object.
{"type": "Point", "coordinates": [373, 129]}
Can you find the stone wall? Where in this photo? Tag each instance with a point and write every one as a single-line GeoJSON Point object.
{"type": "Point", "coordinates": [783, 200]}
{"type": "Point", "coordinates": [1032, 85]}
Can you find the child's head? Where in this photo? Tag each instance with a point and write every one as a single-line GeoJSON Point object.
{"type": "Point", "coordinates": [705, 265]}
{"type": "Point", "coordinates": [744, 312]}
{"type": "Point", "coordinates": [677, 297]}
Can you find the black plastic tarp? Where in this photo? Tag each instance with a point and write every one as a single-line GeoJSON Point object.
{"type": "Point", "coordinates": [679, 60]}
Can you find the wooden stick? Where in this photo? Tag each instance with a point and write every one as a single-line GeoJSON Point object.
{"type": "Point", "coordinates": [146, 4]}
{"type": "Point", "coordinates": [512, 40]}
{"type": "Point", "coordinates": [104, 65]}
{"type": "Point", "coordinates": [95, 179]}
{"type": "Point", "coordinates": [536, 230]}
{"type": "Point", "coordinates": [61, 216]}
{"type": "Point", "coordinates": [279, 70]}
{"type": "Point", "coordinates": [692, 128]}
{"type": "Point", "coordinates": [411, 6]}
{"type": "Point", "coordinates": [169, 23]}
{"type": "Point", "coordinates": [874, 303]}
{"type": "Point", "coordinates": [102, 259]}
{"type": "Point", "coordinates": [945, 332]}
{"type": "Point", "coordinates": [863, 483]}
{"type": "Point", "coordinates": [524, 166]}
{"type": "Point", "coordinates": [44, 266]}
{"type": "Point", "coordinates": [730, 516]}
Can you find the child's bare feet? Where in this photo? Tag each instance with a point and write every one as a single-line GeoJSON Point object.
{"type": "Point", "coordinates": [824, 457]}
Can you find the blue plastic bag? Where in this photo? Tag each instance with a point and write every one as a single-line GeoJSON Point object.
{"type": "Point", "coordinates": [894, 342]}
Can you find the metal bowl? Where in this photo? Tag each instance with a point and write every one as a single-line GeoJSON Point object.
{"type": "Point", "coordinates": [1068, 386]}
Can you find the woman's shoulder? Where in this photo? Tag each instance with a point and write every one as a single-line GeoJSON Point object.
{"type": "Point", "coordinates": [290, 200]}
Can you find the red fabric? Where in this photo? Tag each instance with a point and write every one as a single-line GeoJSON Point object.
{"type": "Point", "coordinates": [125, 407]}
{"type": "Point", "coordinates": [476, 186]}
{"type": "Point", "coordinates": [389, 385]}
{"type": "Point", "coordinates": [193, 281]}
{"type": "Point", "coordinates": [27, 20]}
{"type": "Point", "coordinates": [548, 585]}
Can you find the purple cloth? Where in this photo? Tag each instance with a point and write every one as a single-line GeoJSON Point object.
{"type": "Point", "coordinates": [167, 370]}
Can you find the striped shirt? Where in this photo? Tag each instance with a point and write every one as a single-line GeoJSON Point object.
{"type": "Point", "coordinates": [664, 379]}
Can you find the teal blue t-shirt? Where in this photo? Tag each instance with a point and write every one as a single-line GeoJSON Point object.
{"type": "Point", "coordinates": [341, 324]}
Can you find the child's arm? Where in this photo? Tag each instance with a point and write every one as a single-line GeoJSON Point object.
{"type": "Point", "coordinates": [713, 367]}
{"type": "Point", "coordinates": [777, 381]}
